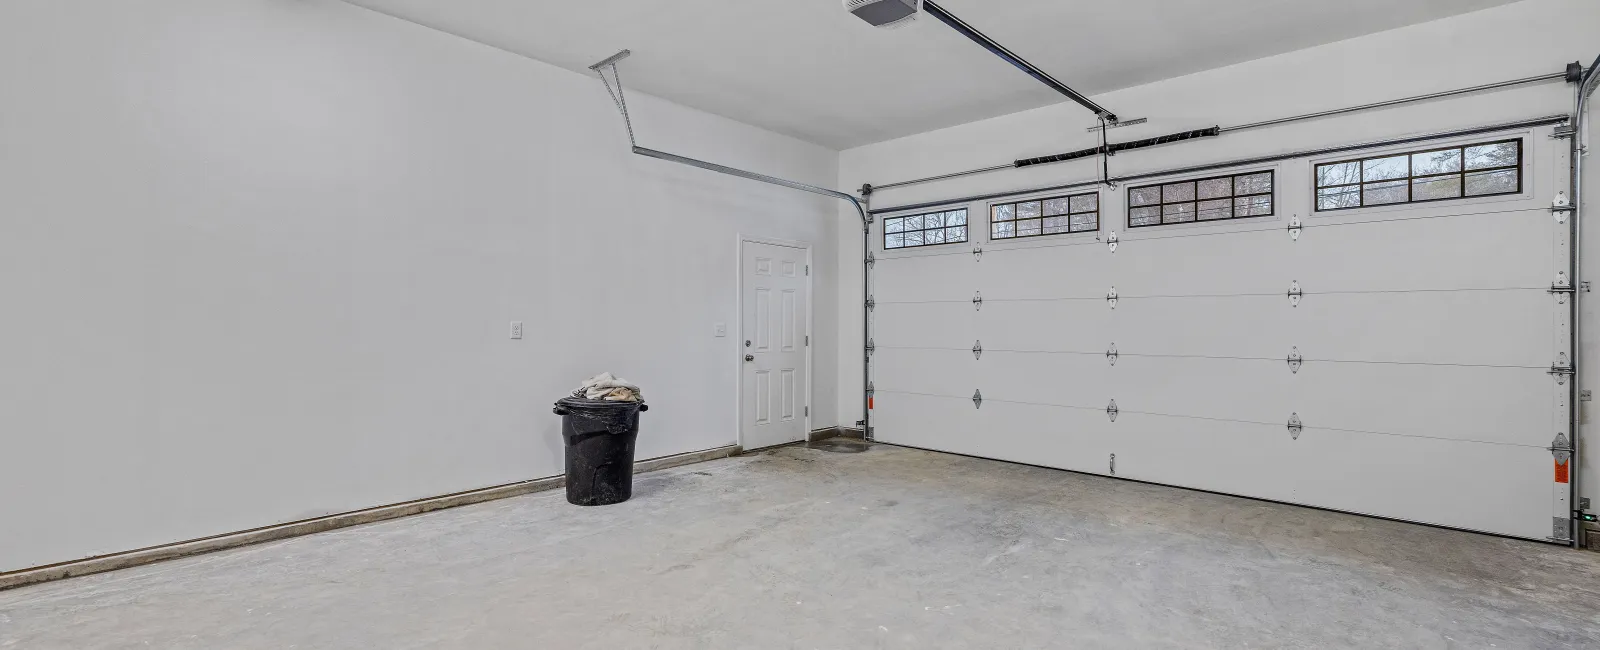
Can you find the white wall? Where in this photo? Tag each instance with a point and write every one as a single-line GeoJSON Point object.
{"type": "Point", "coordinates": [1519, 40]}
{"type": "Point", "coordinates": [258, 260]}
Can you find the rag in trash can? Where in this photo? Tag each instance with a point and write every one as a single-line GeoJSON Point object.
{"type": "Point", "coordinates": [599, 437]}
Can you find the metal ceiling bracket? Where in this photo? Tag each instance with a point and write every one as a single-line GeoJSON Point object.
{"type": "Point", "coordinates": [1562, 287]}
{"type": "Point", "coordinates": [1111, 241]}
{"type": "Point", "coordinates": [977, 301]}
{"type": "Point", "coordinates": [1295, 293]}
{"type": "Point", "coordinates": [1295, 360]}
{"type": "Point", "coordinates": [1563, 131]}
{"type": "Point", "coordinates": [1112, 411]}
{"type": "Point", "coordinates": [977, 399]}
{"type": "Point", "coordinates": [1295, 426]}
{"type": "Point", "coordinates": [1561, 448]}
{"type": "Point", "coordinates": [977, 253]}
{"type": "Point", "coordinates": [1294, 228]}
{"type": "Point", "coordinates": [977, 350]}
{"type": "Point", "coordinates": [1111, 297]}
{"type": "Point", "coordinates": [1111, 355]}
{"type": "Point", "coordinates": [1561, 369]}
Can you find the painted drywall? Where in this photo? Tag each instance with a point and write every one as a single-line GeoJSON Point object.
{"type": "Point", "coordinates": [1525, 39]}
{"type": "Point", "coordinates": [259, 260]}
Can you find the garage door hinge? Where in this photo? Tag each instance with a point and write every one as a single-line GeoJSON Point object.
{"type": "Point", "coordinates": [1561, 206]}
{"type": "Point", "coordinates": [1111, 241]}
{"type": "Point", "coordinates": [871, 260]}
{"type": "Point", "coordinates": [1294, 227]}
{"type": "Point", "coordinates": [1295, 360]}
{"type": "Point", "coordinates": [977, 349]}
{"type": "Point", "coordinates": [1295, 427]}
{"type": "Point", "coordinates": [871, 304]}
{"type": "Point", "coordinates": [1562, 287]}
{"type": "Point", "coordinates": [1561, 448]}
{"type": "Point", "coordinates": [1561, 368]}
{"type": "Point", "coordinates": [1112, 411]}
{"type": "Point", "coordinates": [1111, 355]}
{"type": "Point", "coordinates": [977, 253]}
{"type": "Point", "coordinates": [870, 390]}
{"type": "Point", "coordinates": [1113, 464]}
{"type": "Point", "coordinates": [1111, 297]}
{"type": "Point", "coordinates": [872, 346]}
{"type": "Point", "coordinates": [977, 399]}
{"type": "Point", "coordinates": [977, 301]}
{"type": "Point", "coordinates": [1295, 293]}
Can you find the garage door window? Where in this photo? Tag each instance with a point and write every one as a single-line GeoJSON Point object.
{"type": "Point", "coordinates": [1052, 216]}
{"type": "Point", "coordinates": [1485, 169]}
{"type": "Point", "coordinates": [925, 229]}
{"type": "Point", "coordinates": [1207, 199]}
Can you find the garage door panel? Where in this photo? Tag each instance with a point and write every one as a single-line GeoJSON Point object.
{"type": "Point", "coordinates": [1231, 457]}
{"type": "Point", "coordinates": [1471, 404]}
{"type": "Point", "coordinates": [1067, 439]}
{"type": "Point", "coordinates": [936, 372]}
{"type": "Point", "coordinates": [1471, 327]}
{"type": "Point", "coordinates": [1249, 390]}
{"type": "Point", "coordinates": [938, 325]}
{"type": "Point", "coordinates": [1064, 379]}
{"type": "Point", "coordinates": [940, 423]}
{"type": "Point", "coordinates": [1239, 327]}
{"type": "Point", "coordinates": [1045, 272]}
{"type": "Point", "coordinates": [925, 277]}
{"type": "Point", "coordinates": [1050, 325]}
{"type": "Point", "coordinates": [1481, 251]}
{"type": "Point", "coordinates": [1169, 261]}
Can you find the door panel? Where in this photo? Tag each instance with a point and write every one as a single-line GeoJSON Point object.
{"type": "Point", "coordinates": [774, 331]}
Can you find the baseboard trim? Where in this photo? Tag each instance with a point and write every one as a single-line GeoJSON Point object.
{"type": "Point", "coordinates": [165, 552]}
{"type": "Point", "coordinates": [834, 432]}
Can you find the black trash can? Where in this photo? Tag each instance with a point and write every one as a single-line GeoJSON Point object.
{"type": "Point", "coordinates": [600, 437]}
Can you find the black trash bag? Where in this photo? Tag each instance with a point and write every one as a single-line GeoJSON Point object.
{"type": "Point", "coordinates": [600, 438]}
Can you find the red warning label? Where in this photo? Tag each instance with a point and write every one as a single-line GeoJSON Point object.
{"type": "Point", "coordinates": [1562, 475]}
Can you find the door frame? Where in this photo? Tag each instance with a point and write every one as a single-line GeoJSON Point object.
{"type": "Point", "coordinates": [738, 356]}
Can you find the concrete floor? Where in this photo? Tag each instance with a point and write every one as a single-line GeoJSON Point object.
{"type": "Point", "coordinates": [797, 548]}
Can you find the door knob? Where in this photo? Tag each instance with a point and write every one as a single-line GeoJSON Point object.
{"type": "Point", "coordinates": [749, 357]}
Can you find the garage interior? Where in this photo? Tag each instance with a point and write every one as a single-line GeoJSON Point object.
{"type": "Point", "coordinates": [961, 324]}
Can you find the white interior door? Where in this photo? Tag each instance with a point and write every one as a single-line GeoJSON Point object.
{"type": "Point", "coordinates": [774, 336]}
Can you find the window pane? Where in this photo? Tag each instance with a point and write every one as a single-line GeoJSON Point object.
{"type": "Point", "coordinates": [914, 238]}
{"type": "Point", "coordinates": [956, 218]}
{"type": "Point", "coordinates": [1338, 174]}
{"type": "Point", "coordinates": [1053, 225]}
{"type": "Point", "coordinates": [1177, 192]}
{"type": "Point", "coordinates": [1177, 212]}
{"type": "Point", "coordinates": [1334, 198]}
{"type": "Point", "coordinates": [1216, 188]}
{"type": "Point", "coordinates": [1144, 216]}
{"type": "Point", "coordinates": [1029, 227]}
{"type": "Point", "coordinates": [1385, 192]}
{"type": "Point", "coordinates": [933, 236]}
{"type": "Point", "coordinates": [1003, 230]}
{"type": "Point", "coordinates": [894, 241]}
{"type": "Point", "coordinates": [914, 223]}
{"type": "Point", "coordinates": [1027, 210]}
{"type": "Point", "coordinates": [1377, 169]}
{"type": "Point", "coordinates": [955, 234]}
{"type": "Point", "coordinates": [1218, 209]}
{"type": "Point", "coordinates": [1086, 203]}
{"type": "Point", "coordinates": [1055, 206]}
{"type": "Point", "coordinates": [1502, 154]}
{"type": "Point", "coordinates": [1435, 162]}
{"type": "Point", "coordinates": [1086, 221]}
{"type": "Point", "coordinates": [1437, 187]}
{"type": "Point", "coordinates": [1144, 195]}
{"type": "Point", "coordinates": [894, 225]}
{"type": "Point", "coordinates": [1501, 182]}
{"type": "Point", "coordinates": [1005, 212]}
{"type": "Point", "coordinates": [935, 220]}
{"type": "Point", "coordinates": [1253, 184]}
{"type": "Point", "coordinates": [1253, 206]}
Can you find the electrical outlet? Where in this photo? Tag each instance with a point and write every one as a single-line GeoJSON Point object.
{"type": "Point", "coordinates": [516, 329]}
{"type": "Point", "coordinates": [719, 330]}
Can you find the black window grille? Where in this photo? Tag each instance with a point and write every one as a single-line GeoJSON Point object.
{"type": "Point", "coordinates": [1052, 216]}
{"type": "Point", "coordinates": [1486, 169]}
{"type": "Point", "coordinates": [933, 229]}
{"type": "Point", "coordinates": [1235, 196]}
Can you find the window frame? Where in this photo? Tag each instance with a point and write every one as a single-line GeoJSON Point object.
{"type": "Point", "coordinates": [1411, 178]}
{"type": "Point", "coordinates": [1098, 212]}
{"type": "Point", "coordinates": [1271, 194]}
{"type": "Point", "coordinates": [962, 209]}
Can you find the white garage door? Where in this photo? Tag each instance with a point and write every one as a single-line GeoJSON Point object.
{"type": "Point", "coordinates": [1393, 356]}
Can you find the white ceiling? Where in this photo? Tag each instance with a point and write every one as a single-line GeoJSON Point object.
{"type": "Point", "coordinates": [807, 68]}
